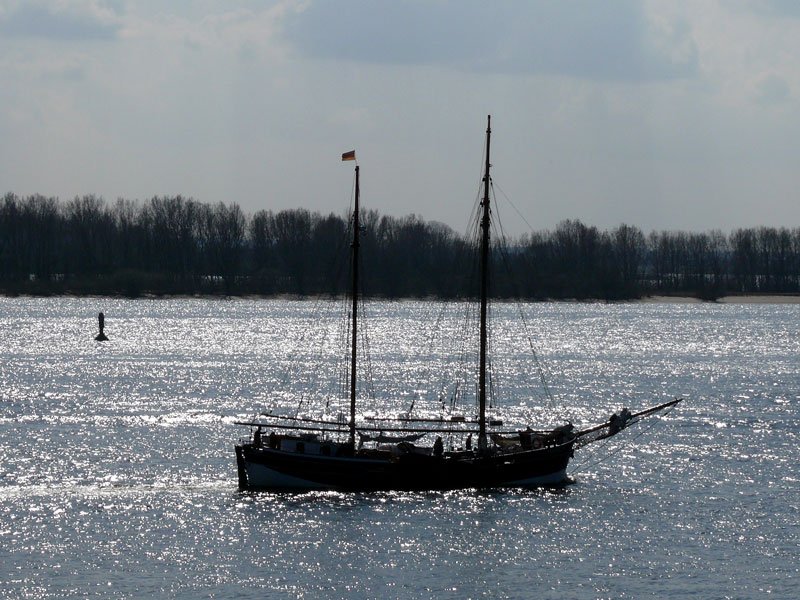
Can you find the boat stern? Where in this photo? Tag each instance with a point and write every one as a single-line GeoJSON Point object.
{"type": "Point", "coordinates": [241, 467]}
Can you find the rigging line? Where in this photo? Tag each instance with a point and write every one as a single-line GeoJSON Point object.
{"type": "Point", "coordinates": [478, 195]}
{"type": "Point", "coordinates": [448, 372]}
{"type": "Point", "coordinates": [471, 236]}
{"type": "Point", "coordinates": [458, 361]}
{"type": "Point", "coordinates": [540, 366]}
{"type": "Point", "coordinates": [315, 318]}
{"type": "Point", "coordinates": [503, 250]}
{"type": "Point", "coordinates": [339, 264]}
{"type": "Point", "coordinates": [491, 376]}
{"type": "Point", "coordinates": [475, 213]}
{"type": "Point", "coordinates": [461, 371]}
{"type": "Point", "coordinates": [345, 338]}
{"type": "Point", "coordinates": [370, 383]}
{"type": "Point", "coordinates": [307, 332]}
{"type": "Point", "coordinates": [295, 369]}
{"type": "Point", "coordinates": [453, 368]}
{"type": "Point", "coordinates": [603, 445]}
{"type": "Point", "coordinates": [435, 334]}
{"type": "Point", "coordinates": [494, 386]}
{"type": "Point", "coordinates": [341, 365]}
{"type": "Point", "coordinates": [339, 254]}
{"type": "Point", "coordinates": [339, 372]}
{"type": "Point", "coordinates": [444, 376]}
{"type": "Point", "coordinates": [613, 451]}
{"type": "Point", "coordinates": [521, 216]}
{"type": "Point", "coordinates": [364, 337]}
{"type": "Point", "coordinates": [318, 357]}
{"type": "Point", "coordinates": [459, 364]}
{"type": "Point", "coordinates": [467, 354]}
{"type": "Point", "coordinates": [425, 372]}
{"type": "Point", "coordinates": [344, 356]}
{"type": "Point", "coordinates": [313, 374]}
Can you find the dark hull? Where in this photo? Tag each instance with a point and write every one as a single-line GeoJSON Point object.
{"type": "Point", "coordinates": [265, 468]}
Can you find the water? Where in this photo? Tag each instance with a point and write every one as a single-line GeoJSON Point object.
{"type": "Point", "coordinates": [117, 476]}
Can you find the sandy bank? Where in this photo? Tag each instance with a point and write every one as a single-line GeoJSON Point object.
{"type": "Point", "coordinates": [743, 299]}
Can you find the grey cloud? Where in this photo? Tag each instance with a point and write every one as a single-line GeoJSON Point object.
{"type": "Point", "coordinates": [596, 40]}
{"type": "Point", "coordinates": [776, 8]}
{"type": "Point", "coordinates": [57, 23]}
{"type": "Point", "coordinates": [772, 89]}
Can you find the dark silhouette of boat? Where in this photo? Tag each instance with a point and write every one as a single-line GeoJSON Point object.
{"type": "Point", "coordinates": [300, 453]}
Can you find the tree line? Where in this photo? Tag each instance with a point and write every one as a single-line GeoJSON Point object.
{"type": "Point", "coordinates": [177, 245]}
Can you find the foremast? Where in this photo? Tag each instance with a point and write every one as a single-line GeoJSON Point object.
{"type": "Point", "coordinates": [484, 263]}
{"type": "Point", "coordinates": [354, 340]}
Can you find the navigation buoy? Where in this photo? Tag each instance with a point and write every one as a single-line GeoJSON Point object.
{"type": "Point", "coordinates": [101, 337]}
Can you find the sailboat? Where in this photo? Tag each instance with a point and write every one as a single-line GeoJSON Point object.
{"type": "Point", "coordinates": [287, 452]}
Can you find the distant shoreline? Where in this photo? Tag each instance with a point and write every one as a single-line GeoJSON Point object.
{"type": "Point", "coordinates": [654, 299]}
{"type": "Point", "coordinates": [737, 299]}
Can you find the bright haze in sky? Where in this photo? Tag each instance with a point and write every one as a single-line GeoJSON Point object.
{"type": "Point", "coordinates": [665, 115]}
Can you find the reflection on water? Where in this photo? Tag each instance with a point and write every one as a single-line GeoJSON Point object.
{"type": "Point", "coordinates": [117, 476]}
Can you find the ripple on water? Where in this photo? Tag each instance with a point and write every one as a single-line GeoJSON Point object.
{"type": "Point", "coordinates": [117, 476]}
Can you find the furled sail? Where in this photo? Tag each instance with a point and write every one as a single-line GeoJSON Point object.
{"type": "Point", "coordinates": [381, 438]}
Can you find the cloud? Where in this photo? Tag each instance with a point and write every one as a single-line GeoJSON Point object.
{"type": "Point", "coordinates": [73, 21]}
{"type": "Point", "coordinates": [772, 89]}
{"type": "Point", "coordinates": [776, 8]}
{"type": "Point", "coordinates": [595, 40]}
{"type": "Point", "coordinates": [248, 33]}
{"type": "Point", "coordinates": [45, 68]}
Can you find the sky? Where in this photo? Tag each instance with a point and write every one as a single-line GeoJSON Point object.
{"type": "Point", "coordinates": [666, 115]}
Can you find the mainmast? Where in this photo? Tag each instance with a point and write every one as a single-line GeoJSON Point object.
{"type": "Point", "coordinates": [484, 292]}
{"type": "Point", "coordinates": [355, 320]}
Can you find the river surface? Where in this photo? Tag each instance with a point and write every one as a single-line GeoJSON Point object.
{"type": "Point", "coordinates": [118, 478]}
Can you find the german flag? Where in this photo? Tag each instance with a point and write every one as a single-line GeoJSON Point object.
{"type": "Point", "coordinates": [349, 155]}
